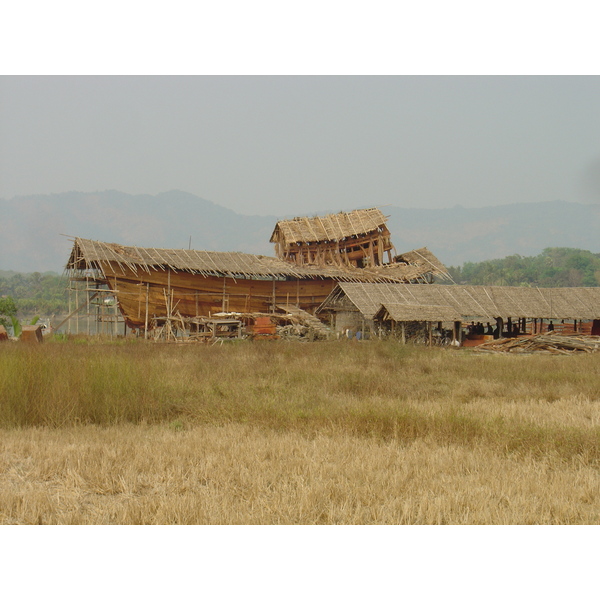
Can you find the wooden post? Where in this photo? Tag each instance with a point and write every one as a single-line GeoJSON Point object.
{"type": "Point", "coordinates": [76, 304]}
{"type": "Point", "coordinates": [74, 312]}
{"type": "Point", "coordinates": [168, 296]}
{"type": "Point", "coordinates": [87, 295]}
{"type": "Point", "coordinates": [146, 319]}
{"type": "Point", "coordinates": [69, 328]}
{"type": "Point", "coordinates": [97, 313]}
{"type": "Point", "coordinates": [116, 308]}
{"type": "Point", "coordinates": [403, 333]}
{"type": "Point", "coordinates": [115, 330]}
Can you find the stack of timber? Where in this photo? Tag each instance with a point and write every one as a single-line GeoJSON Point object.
{"type": "Point", "coordinates": [305, 323]}
{"type": "Point", "coordinates": [544, 343]}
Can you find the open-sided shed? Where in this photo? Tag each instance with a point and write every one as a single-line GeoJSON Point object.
{"type": "Point", "coordinates": [352, 303]}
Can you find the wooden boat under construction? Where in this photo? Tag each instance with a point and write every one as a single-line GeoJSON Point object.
{"type": "Point", "coordinates": [150, 284]}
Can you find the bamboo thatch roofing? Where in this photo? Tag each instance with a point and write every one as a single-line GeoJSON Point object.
{"type": "Point", "coordinates": [471, 301]}
{"type": "Point", "coordinates": [328, 228]}
{"type": "Point", "coordinates": [417, 312]}
{"type": "Point", "coordinates": [422, 258]}
{"type": "Point", "coordinates": [88, 254]}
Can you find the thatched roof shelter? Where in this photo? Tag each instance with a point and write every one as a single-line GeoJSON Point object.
{"type": "Point", "coordinates": [468, 301]}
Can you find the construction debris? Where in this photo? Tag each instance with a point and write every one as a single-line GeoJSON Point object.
{"type": "Point", "coordinates": [303, 324]}
{"type": "Point", "coordinates": [544, 343]}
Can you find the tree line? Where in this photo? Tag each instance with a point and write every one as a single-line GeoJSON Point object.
{"type": "Point", "coordinates": [35, 293]}
{"type": "Point", "coordinates": [553, 267]}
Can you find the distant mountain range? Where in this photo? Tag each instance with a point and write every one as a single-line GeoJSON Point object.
{"type": "Point", "coordinates": [30, 227]}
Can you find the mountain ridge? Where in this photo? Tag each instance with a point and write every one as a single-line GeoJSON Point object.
{"type": "Point", "coordinates": [30, 227]}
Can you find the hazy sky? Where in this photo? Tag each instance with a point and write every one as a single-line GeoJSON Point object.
{"type": "Point", "coordinates": [300, 144]}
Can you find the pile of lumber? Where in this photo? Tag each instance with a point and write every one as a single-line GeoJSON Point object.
{"type": "Point", "coordinates": [548, 343]}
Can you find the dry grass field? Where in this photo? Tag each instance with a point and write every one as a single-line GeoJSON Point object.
{"type": "Point", "coordinates": [292, 433]}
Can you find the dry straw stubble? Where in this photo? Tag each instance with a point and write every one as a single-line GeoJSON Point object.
{"type": "Point", "coordinates": [285, 433]}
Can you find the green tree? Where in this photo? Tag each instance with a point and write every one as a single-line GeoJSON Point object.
{"type": "Point", "coordinates": [8, 309]}
{"type": "Point", "coordinates": [554, 267]}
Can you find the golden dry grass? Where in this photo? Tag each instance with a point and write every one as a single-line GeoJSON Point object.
{"type": "Point", "coordinates": [296, 433]}
{"type": "Point", "coordinates": [242, 475]}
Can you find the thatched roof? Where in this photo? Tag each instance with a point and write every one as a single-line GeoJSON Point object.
{"type": "Point", "coordinates": [417, 312]}
{"type": "Point", "coordinates": [421, 258]}
{"type": "Point", "coordinates": [470, 301]}
{"type": "Point", "coordinates": [91, 254]}
{"type": "Point", "coordinates": [88, 254]}
{"type": "Point", "coordinates": [329, 227]}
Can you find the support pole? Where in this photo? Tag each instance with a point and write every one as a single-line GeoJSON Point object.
{"type": "Point", "coordinates": [87, 294]}
{"type": "Point", "coordinates": [114, 328]}
{"type": "Point", "coordinates": [146, 320]}
{"type": "Point", "coordinates": [74, 312]}
{"type": "Point", "coordinates": [70, 293]}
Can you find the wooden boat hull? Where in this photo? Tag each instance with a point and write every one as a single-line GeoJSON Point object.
{"type": "Point", "coordinates": [144, 296]}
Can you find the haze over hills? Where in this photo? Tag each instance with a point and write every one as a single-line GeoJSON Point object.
{"type": "Point", "coordinates": [30, 227]}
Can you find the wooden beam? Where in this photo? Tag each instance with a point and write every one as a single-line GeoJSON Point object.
{"type": "Point", "coordinates": [75, 311]}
